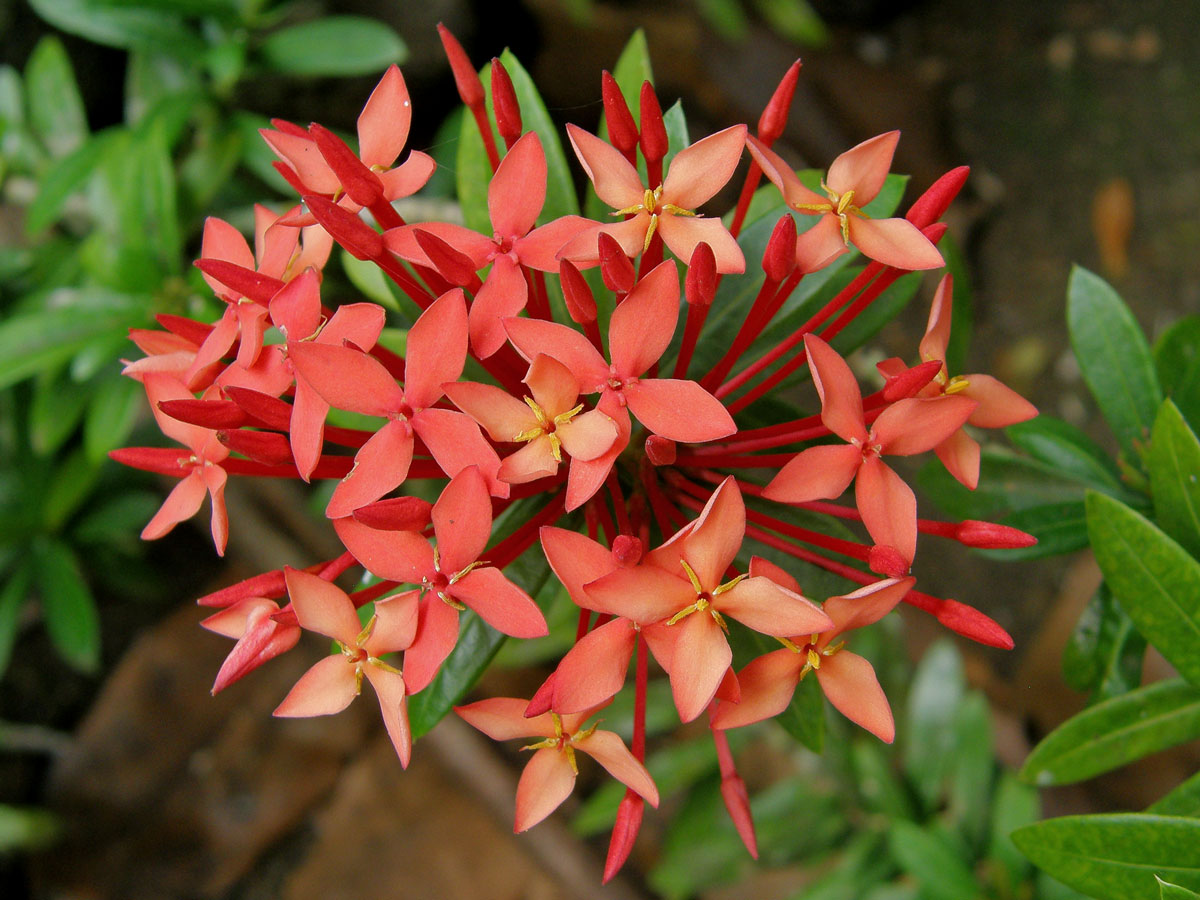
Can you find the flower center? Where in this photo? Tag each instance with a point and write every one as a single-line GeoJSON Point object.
{"type": "Point", "coordinates": [547, 426]}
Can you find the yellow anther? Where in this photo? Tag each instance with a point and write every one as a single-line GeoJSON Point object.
{"type": "Point", "coordinates": [463, 572]}
{"type": "Point", "coordinates": [682, 614]}
{"type": "Point", "coordinates": [956, 385]}
{"type": "Point", "coordinates": [678, 210]}
{"type": "Point", "coordinates": [365, 634]}
{"type": "Point", "coordinates": [358, 677]}
{"type": "Point", "coordinates": [570, 752]}
{"type": "Point", "coordinates": [650, 232]}
{"type": "Point", "coordinates": [719, 619]}
{"type": "Point", "coordinates": [730, 585]}
{"type": "Point", "coordinates": [537, 410]}
{"type": "Point", "coordinates": [814, 658]}
{"type": "Point", "coordinates": [450, 601]}
{"type": "Point", "coordinates": [691, 574]}
{"type": "Point", "coordinates": [829, 651]}
{"type": "Point", "coordinates": [380, 664]}
{"type": "Point", "coordinates": [555, 447]}
{"type": "Point", "coordinates": [791, 645]}
{"type": "Point", "coordinates": [844, 203]}
{"type": "Point", "coordinates": [564, 418]}
{"type": "Point", "coordinates": [531, 435]}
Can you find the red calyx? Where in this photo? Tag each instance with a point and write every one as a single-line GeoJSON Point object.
{"type": "Point", "coordinates": [660, 451]}
{"type": "Point", "coordinates": [505, 104]}
{"type": "Point", "coordinates": [700, 284]}
{"type": "Point", "coordinates": [910, 382]}
{"type": "Point", "coordinates": [396, 514]}
{"type": "Point", "coordinates": [627, 550]}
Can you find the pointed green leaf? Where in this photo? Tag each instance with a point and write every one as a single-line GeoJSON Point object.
{"type": "Point", "coordinates": [1068, 450]}
{"type": "Point", "coordinates": [67, 605]}
{"type": "Point", "coordinates": [1173, 463]}
{"type": "Point", "coordinates": [12, 599]}
{"type": "Point", "coordinates": [1116, 732]}
{"type": "Point", "coordinates": [1105, 651]}
{"type": "Point", "coordinates": [974, 765]}
{"type": "Point", "coordinates": [1177, 360]}
{"type": "Point", "coordinates": [122, 25]}
{"type": "Point", "coordinates": [929, 859]}
{"type": "Point", "coordinates": [1182, 801]}
{"type": "Point", "coordinates": [1013, 805]}
{"type": "Point", "coordinates": [24, 828]}
{"type": "Point", "coordinates": [64, 178]}
{"type": "Point", "coordinates": [1114, 358]}
{"type": "Point", "coordinates": [929, 742]}
{"type": "Point", "coordinates": [1058, 527]}
{"type": "Point", "coordinates": [1115, 857]}
{"type": "Point", "coordinates": [1174, 891]}
{"type": "Point", "coordinates": [1155, 580]}
{"type": "Point", "coordinates": [56, 108]}
{"type": "Point", "coordinates": [113, 412]}
{"type": "Point", "coordinates": [334, 45]}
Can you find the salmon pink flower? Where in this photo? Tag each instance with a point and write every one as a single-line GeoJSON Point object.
{"type": "Point", "coordinates": [260, 637]}
{"type": "Point", "coordinates": [550, 774]}
{"type": "Point", "coordinates": [853, 181]}
{"type": "Point", "coordinates": [549, 423]}
{"type": "Point", "coordinates": [887, 504]}
{"type": "Point", "coordinates": [695, 175]}
{"type": "Point", "coordinates": [681, 583]}
{"type": "Point", "coordinates": [451, 576]}
{"type": "Point", "coordinates": [330, 685]}
{"type": "Point", "coordinates": [516, 196]}
{"type": "Point", "coordinates": [999, 405]}
{"type": "Point", "coordinates": [383, 128]}
{"type": "Point", "coordinates": [638, 333]}
{"type": "Point", "coordinates": [847, 680]}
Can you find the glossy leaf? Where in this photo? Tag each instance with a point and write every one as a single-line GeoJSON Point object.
{"type": "Point", "coordinates": [1173, 463]}
{"type": "Point", "coordinates": [56, 109]}
{"type": "Point", "coordinates": [1113, 356]}
{"type": "Point", "coordinates": [120, 25]}
{"type": "Point", "coordinates": [1068, 450]}
{"type": "Point", "coordinates": [1184, 800]}
{"type": "Point", "coordinates": [323, 47]}
{"type": "Point", "coordinates": [1014, 804]}
{"type": "Point", "coordinates": [1115, 857]}
{"type": "Point", "coordinates": [42, 340]}
{"type": "Point", "coordinates": [929, 859]}
{"type": "Point", "coordinates": [1058, 527]}
{"type": "Point", "coordinates": [1177, 360]}
{"type": "Point", "coordinates": [67, 605]}
{"type": "Point", "coordinates": [57, 407]}
{"type": "Point", "coordinates": [929, 745]}
{"type": "Point", "coordinates": [64, 178]}
{"type": "Point", "coordinates": [1171, 891]}
{"type": "Point", "coordinates": [1116, 732]}
{"type": "Point", "coordinates": [113, 412]}
{"type": "Point", "coordinates": [1104, 653]}
{"type": "Point", "coordinates": [1155, 580]}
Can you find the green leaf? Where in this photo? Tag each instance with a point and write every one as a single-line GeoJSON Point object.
{"type": "Point", "coordinates": [725, 17]}
{"type": "Point", "coordinates": [113, 412]}
{"type": "Point", "coordinates": [335, 45]}
{"type": "Point", "coordinates": [1116, 732]}
{"type": "Point", "coordinates": [55, 109]}
{"type": "Point", "coordinates": [256, 155]}
{"type": "Point", "coordinates": [64, 178]}
{"type": "Point", "coordinates": [26, 828]}
{"type": "Point", "coordinates": [370, 280]}
{"type": "Point", "coordinates": [883, 309]}
{"type": "Point", "coordinates": [1177, 360]}
{"type": "Point", "coordinates": [73, 480]}
{"type": "Point", "coordinates": [1155, 580]}
{"type": "Point", "coordinates": [67, 605]}
{"type": "Point", "coordinates": [1105, 651]}
{"type": "Point", "coordinates": [474, 173]}
{"type": "Point", "coordinates": [1058, 527]}
{"type": "Point", "coordinates": [121, 25]}
{"type": "Point", "coordinates": [1173, 463]}
{"type": "Point", "coordinates": [877, 782]}
{"type": "Point", "coordinates": [973, 768]}
{"type": "Point", "coordinates": [12, 599]}
{"type": "Point", "coordinates": [1182, 801]}
{"type": "Point", "coordinates": [940, 871]}
{"type": "Point", "coordinates": [794, 20]}
{"type": "Point", "coordinates": [1174, 892]}
{"type": "Point", "coordinates": [1068, 450]}
{"type": "Point", "coordinates": [58, 405]}
{"type": "Point", "coordinates": [1014, 804]}
{"type": "Point", "coordinates": [1115, 857]}
{"type": "Point", "coordinates": [929, 744]}
{"type": "Point", "coordinates": [1114, 358]}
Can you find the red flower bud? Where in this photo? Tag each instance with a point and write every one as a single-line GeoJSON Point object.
{"type": "Point", "coordinates": [909, 382]}
{"type": "Point", "coordinates": [624, 833]}
{"type": "Point", "coordinates": [653, 138]}
{"type": "Point", "coordinates": [992, 536]}
{"type": "Point", "coordinates": [779, 258]}
{"type": "Point", "coordinates": [660, 450]}
{"type": "Point", "coordinates": [270, 411]}
{"type": "Point", "coordinates": [700, 283]}
{"type": "Point", "coordinates": [396, 514]}
{"type": "Point", "coordinates": [627, 550]}
{"type": "Point", "coordinates": [360, 239]}
{"type": "Point", "coordinates": [737, 804]}
{"type": "Point", "coordinates": [188, 329]}
{"type": "Point", "coordinates": [206, 413]}
{"type": "Point", "coordinates": [267, 447]}
{"type": "Point", "coordinates": [540, 702]}
{"type": "Point", "coordinates": [622, 130]}
{"type": "Point", "coordinates": [505, 104]}
{"type": "Point", "coordinates": [268, 584]}
{"type": "Point", "coordinates": [360, 183]}
{"type": "Point", "coordinates": [453, 265]}
{"type": "Point", "coordinates": [887, 561]}
{"type": "Point", "coordinates": [775, 115]}
{"type": "Point", "coordinates": [615, 267]}
{"type": "Point", "coordinates": [466, 79]}
{"type": "Point", "coordinates": [246, 282]}
{"type": "Point", "coordinates": [162, 460]}
{"type": "Point", "coordinates": [932, 204]}
{"type": "Point", "coordinates": [971, 623]}
{"type": "Point", "coordinates": [580, 303]}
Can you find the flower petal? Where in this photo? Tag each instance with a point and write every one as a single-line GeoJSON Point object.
{"type": "Point", "coordinates": [820, 245]}
{"type": "Point", "coordinates": [643, 594]}
{"type": "Point", "coordinates": [594, 669]}
{"type": "Point", "coordinates": [576, 560]}
{"type": "Point", "coordinates": [552, 385]}
{"type": "Point", "coordinates": [841, 399]}
{"type": "Point", "coordinates": [546, 782]}
{"type": "Point", "coordinates": [894, 242]}
{"type": "Point", "coordinates": [500, 603]}
{"type": "Point", "coordinates": [462, 520]}
{"type": "Point", "coordinates": [863, 168]}
{"type": "Point", "coordinates": [504, 719]}
{"type": "Point", "coordinates": [455, 442]}
{"type": "Point", "coordinates": [680, 410]}
{"type": "Point", "coordinates": [818, 473]}
{"type": "Point", "coordinates": [850, 684]}
{"type": "Point", "coordinates": [767, 685]}
{"type": "Point", "coordinates": [864, 607]}
{"type": "Point", "coordinates": [616, 182]}
{"type": "Point", "coordinates": [888, 507]}
{"type": "Point", "coordinates": [380, 465]}
{"type": "Point", "coordinates": [568, 346]}
{"type": "Point", "coordinates": [408, 177]}
{"type": "Point", "coordinates": [698, 172]}
{"type": "Point", "coordinates": [533, 461]}
{"type": "Point", "coordinates": [782, 175]}
{"type": "Point", "coordinates": [937, 330]}
{"type": "Point", "coordinates": [437, 633]}
{"type": "Point", "coordinates": [682, 233]}
{"type": "Point", "coordinates": [999, 405]}
{"type": "Point", "coordinates": [395, 624]}
{"type": "Point", "coordinates": [518, 189]}
{"type": "Point", "coordinates": [347, 378]}
{"type": "Point", "coordinates": [610, 751]}
{"type": "Point", "coordinates": [643, 324]}
{"type": "Point", "coordinates": [503, 294]}
{"type": "Point", "coordinates": [436, 350]}
{"type": "Point", "coordinates": [540, 248]}
{"type": "Point", "coordinates": [502, 415]}
{"type": "Point", "coordinates": [321, 606]}
{"type": "Point", "coordinates": [766, 607]}
{"type": "Point", "coordinates": [959, 453]}
{"type": "Point", "coordinates": [327, 688]}
{"type": "Point", "coordinates": [701, 657]}
{"type": "Point", "coordinates": [384, 121]}
{"type": "Point", "coordinates": [403, 556]}
{"type": "Point", "coordinates": [393, 704]}
{"type": "Point", "coordinates": [915, 424]}
{"type": "Point", "coordinates": [716, 535]}
{"type": "Point", "coordinates": [181, 504]}
{"type": "Point", "coordinates": [588, 436]}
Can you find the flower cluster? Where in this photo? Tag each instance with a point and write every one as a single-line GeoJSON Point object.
{"type": "Point", "coordinates": [544, 382]}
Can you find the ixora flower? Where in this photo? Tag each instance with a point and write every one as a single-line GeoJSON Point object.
{"type": "Point", "coordinates": [330, 685]}
{"type": "Point", "coordinates": [549, 775]}
{"type": "Point", "coordinates": [854, 179]}
{"type": "Point", "coordinates": [693, 178]}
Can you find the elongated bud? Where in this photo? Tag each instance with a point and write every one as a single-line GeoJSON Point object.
{"type": "Point", "coordinates": [700, 283]}
{"type": "Point", "coordinates": [188, 329]}
{"type": "Point", "coordinates": [242, 281]}
{"type": "Point", "coordinates": [453, 265]}
{"type": "Point", "coordinates": [660, 450]}
{"type": "Point", "coordinates": [627, 550]}
{"type": "Point", "coordinates": [542, 699]}
{"type": "Point", "coordinates": [396, 514]}
{"type": "Point", "coordinates": [161, 460]}
{"type": "Point", "coordinates": [268, 584]}
{"type": "Point", "coordinates": [577, 293]}
{"type": "Point", "coordinates": [971, 623]}
{"type": "Point", "coordinates": [267, 447]}
{"type": "Point", "coordinates": [992, 535]}
{"type": "Point", "coordinates": [356, 236]}
{"type": "Point", "coordinates": [624, 833]}
{"type": "Point", "coordinates": [653, 138]}
{"type": "Point", "coordinates": [774, 116]}
{"type": "Point", "coordinates": [270, 411]}
{"type": "Point", "coordinates": [215, 414]}
{"type": "Point", "coordinates": [466, 79]}
{"type": "Point", "coordinates": [622, 130]}
{"type": "Point", "coordinates": [779, 259]}
{"type": "Point", "coordinates": [362, 185]}
{"type": "Point", "coordinates": [615, 268]}
{"type": "Point", "coordinates": [932, 204]}
{"type": "Point", "coordinates": [910, 382]}
{"type": "Point", "coordinates": [887, 561]}
{"type": "Point", "coordinates": [505, 104]}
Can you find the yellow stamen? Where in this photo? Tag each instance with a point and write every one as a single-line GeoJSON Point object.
{"type": "Point", "coordinates": [365, 634]}
{"type": "Point", "coordinates": [380, 664]}
{"type": "Point", "coordinates": [691, 574]}
{"type": "Point", "coordinates": [956, 385]}
{"type": "Point", "coordinates": [730, 585]}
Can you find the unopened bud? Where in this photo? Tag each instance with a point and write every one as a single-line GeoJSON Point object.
{"type": "Point", "coordinates": [660, 450]}
{"type": "Point", "coordinates": [505, 104]}
{"type": "Point", "coordinates": [653, 138]}
{"type": "Point", "coordinates": [779, 259]}
{"type": "Point", "coordinates": [627, 550]}
{"type": "Point", "coordinates": [581, 305]}
{"type": "Point", "coordinates": [267, 447]}
{"type": "Point", "coordinates": [775, 115]}
{"type": "Point", "coordinates": [270, 411]}
{"type": "Point", "coordinates": [615, 268]}
{"type": "Point", "coordinates": [622, 130]}
{"type": "Point", "coordinates": [737, 804]}
{"type": "Point", "coordinates": [268, 584]}
{"type": "Point", "coordinates": [971, 623]}
{"type": "Point", "coordinates": [396, 514]}
{"type": "Point", "coordinates": [162, 460]}
{"type": "Point", "coordinates": [992, 535]}
{"type": "Point", "coordinates": [453, 265]}
{"type": "Point", "coordinates": [700, 283]}
{"type": "Point", "coordinates": [241, 281]}
{"type": "Point", "coordinates": [932, 204]}
{"type": "Point", "coordinates": [542, 701]}
{"type": "Point", "coordinates": [205, 413]}
{"type": "Point", "coordinates": [909, 382]}
{"type": "Point", "coordinates": [356, 236]}
{"type": "Point", "coordinates": [887, 561]}
{"type": "Point", "coordinates": [624, 833]}
{"type": "Point", "coordinates": [360, 183]}
{"type": "Point", "coordinates": [466, 79]}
